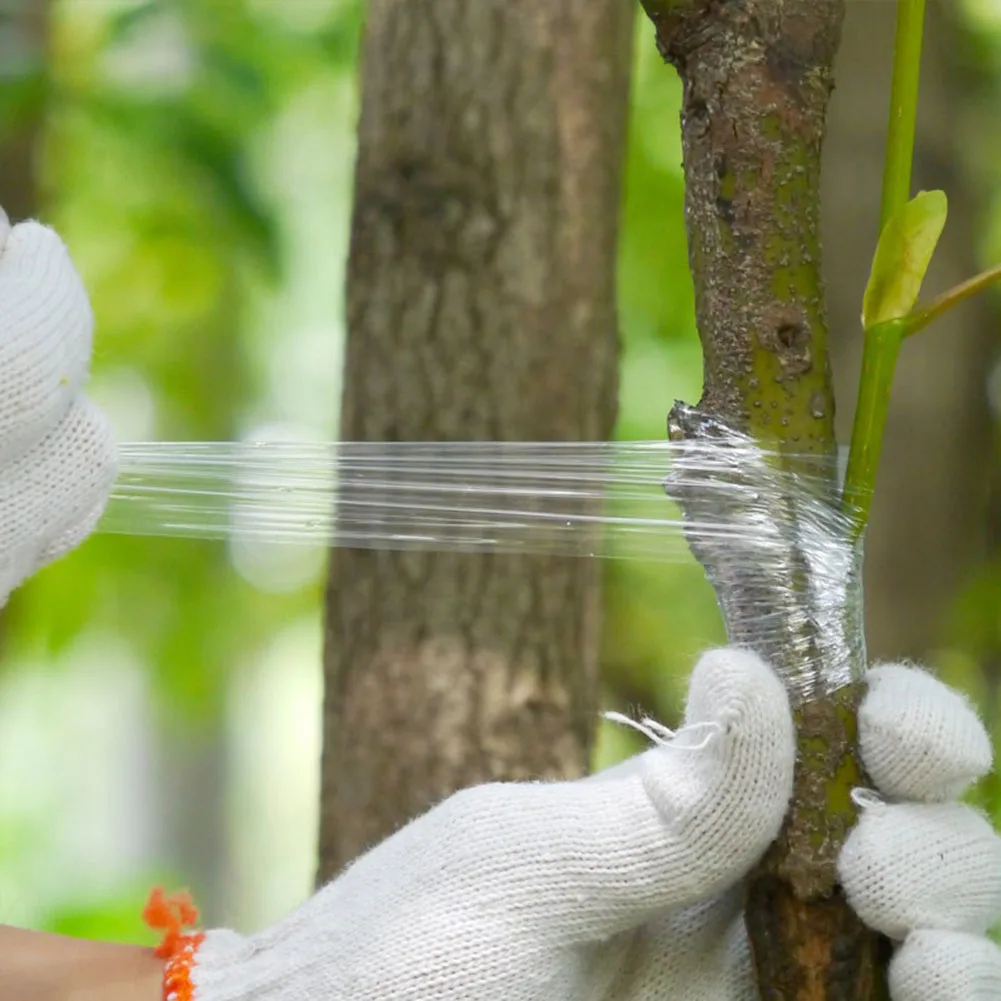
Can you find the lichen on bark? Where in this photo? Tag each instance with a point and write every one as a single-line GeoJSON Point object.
{"type": "Point", "coordinates": [757, 78]}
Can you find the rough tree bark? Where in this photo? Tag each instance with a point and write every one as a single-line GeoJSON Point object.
{"type": "Point", "coordinates": [757, 78]}
{"type": "Point", "coordinates": [481, 306]}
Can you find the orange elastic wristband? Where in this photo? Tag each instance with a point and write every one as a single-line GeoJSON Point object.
{"type": "Point", "coordinates": [172, 915]}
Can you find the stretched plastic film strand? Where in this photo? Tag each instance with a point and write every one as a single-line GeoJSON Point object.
{"type": "Point", "coordinates": [767, 534]}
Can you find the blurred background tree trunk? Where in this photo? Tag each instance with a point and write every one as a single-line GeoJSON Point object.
{"type": "Point", "coordinates": [928, 530]}
{"type": "Point", "coordinates": [23, 40]}
{"type": "Point", "coordinates": [481, 306]}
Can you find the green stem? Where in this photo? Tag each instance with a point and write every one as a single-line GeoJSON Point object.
{"type": "Point", "coordinates": [883, 343]}
{"type": "Point", "coordinates": [921, 318]}
{"type": "Point", "coordinates": [879, 358]}
{"type": "Point", "coordinates": [903, 108]}
{"type": "Point", "coordinates": [878, 362]}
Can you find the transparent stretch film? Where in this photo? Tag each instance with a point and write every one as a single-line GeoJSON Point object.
{"type": "Point", "coordinates": [788, 578]}
{"type": "Point", "coordinates": [775, 548]}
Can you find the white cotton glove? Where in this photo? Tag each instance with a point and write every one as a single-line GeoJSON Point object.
{"type": "Point", "coordinates": [627, 886]}
{"type": "Point", "coordinates": [919, 866]}
{"type": "Point", "coordinates": [57, 453]}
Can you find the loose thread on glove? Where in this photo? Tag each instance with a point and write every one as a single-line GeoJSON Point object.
{"type": "Point", "coordinates": [866, 799]}
{"type": "Point", "coordinates": [663, 736]}
{"type": "Point", "coordinates": [171, 915]}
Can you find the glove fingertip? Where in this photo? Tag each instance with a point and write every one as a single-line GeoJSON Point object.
{"type": "Point", "coordinates": [922, 865]}
{"type": "Point", "coordinates": [946, 965]}
{"type": "Point", "coordinates": [920, 739]}
{"type": "Point", "coordinates": [47, 326]}
{"type": "Point", "coordinates": [54, 495]}
{"type": "Point", "coordinates": [734, 683]}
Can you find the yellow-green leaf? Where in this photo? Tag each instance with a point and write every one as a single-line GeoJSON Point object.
{"type": "Point", "coordinates": [902, 257]}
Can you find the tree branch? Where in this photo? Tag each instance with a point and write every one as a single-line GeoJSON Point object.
{"type": "Point", "coordinates": [757, 77]}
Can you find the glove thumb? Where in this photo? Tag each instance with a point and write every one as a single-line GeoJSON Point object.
{"type": "Point", "coordinates": [668, 829]}
{"type": "Point", "coordinates": [723, 804]}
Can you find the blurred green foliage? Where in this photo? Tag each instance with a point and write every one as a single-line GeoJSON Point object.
{"type": "Point", "coordinates": [163, 124]}
{"type": "Point", "coordinates": [151, 115]}
{"type": "Point", "coordinates": [148, 176]}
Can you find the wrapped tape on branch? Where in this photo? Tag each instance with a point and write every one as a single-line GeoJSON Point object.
{"type": "Point", "coordinates": [774, 544]}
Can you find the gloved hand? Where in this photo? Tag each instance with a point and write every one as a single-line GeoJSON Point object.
{"type": "Point", "coordinates": [57, 452]}
{"type": "Point", "coordinates": [624, 886]}
{"type": "Point", "coordinates": [627, 886]}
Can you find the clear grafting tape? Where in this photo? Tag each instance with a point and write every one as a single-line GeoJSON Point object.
{"type": "Point", "coordinates": [775, 549]}
{"type": "Point", "coordinates": [788, 576]}
{"type": "Point", "coordinates": [549, 498]}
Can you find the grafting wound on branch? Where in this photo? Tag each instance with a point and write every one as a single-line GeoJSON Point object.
{"type": "Point", "coordinates": [757, 78]}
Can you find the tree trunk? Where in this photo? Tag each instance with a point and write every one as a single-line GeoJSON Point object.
{"type": "Point", "coordinates": [23, 38]}
{"type": "Point", "coordinates": [481, 306]}
{"type": "Point", "coordinates": [757, 78]}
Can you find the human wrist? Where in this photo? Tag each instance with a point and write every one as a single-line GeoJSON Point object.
{"type": "Point", "coordinates": [41, 967]}
{"type": "Point", "coordinates": [132, 975]}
